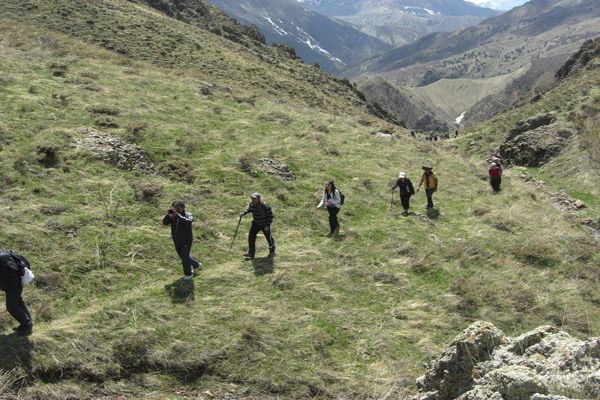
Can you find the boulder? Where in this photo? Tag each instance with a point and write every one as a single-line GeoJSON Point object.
{"type": "Point", "coordinates": [452, 374]}
{"type": "Point", "coordinates": [514, 383]}
{"type": "Point", "coordinates": [481, 363]}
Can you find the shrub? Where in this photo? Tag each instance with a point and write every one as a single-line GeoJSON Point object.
{"type": "Point", "coordinates": [177, 169]}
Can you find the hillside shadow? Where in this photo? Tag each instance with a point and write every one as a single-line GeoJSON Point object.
{"type": "Point", "coordinates": [181, 291]}
{"type": "Point", "coordinates": [15, 352]}
{"type": "Point", "coordinates": [263, 265]}
{"type": "Point", "coordinates": [433, 213]}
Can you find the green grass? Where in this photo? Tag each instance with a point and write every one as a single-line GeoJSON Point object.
{"type": "Point", "coordinates": [355, 316]}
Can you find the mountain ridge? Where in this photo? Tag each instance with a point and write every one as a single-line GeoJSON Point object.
{"type": "Point", "coordinates": [316, 38]}
{"type": "Point", "coordinates": [495, 47]}
{"type": "Point", "coordinates": [402, 22]}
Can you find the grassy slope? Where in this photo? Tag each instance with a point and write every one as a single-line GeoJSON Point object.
{"type": "Point", "coordinates": [354, 316]}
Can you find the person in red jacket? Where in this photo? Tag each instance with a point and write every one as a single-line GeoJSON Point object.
{"type": "Point", "coordinates": [495, 172]}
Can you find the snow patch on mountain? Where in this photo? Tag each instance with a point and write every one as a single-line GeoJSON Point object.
{"type": "Point", "coordinates": [311, 42]}
{"type": "Point", "coordinates": [288, 28]}
{"type": "Point", "coordinates": [420, 11]}
{"type": "Point", "coordinates": [276, 27]}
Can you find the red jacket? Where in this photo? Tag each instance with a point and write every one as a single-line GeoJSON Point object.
{"type": "Point", "coordinates": [495, 171]}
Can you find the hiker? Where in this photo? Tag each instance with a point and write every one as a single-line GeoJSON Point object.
{"type": "Point", "coordinates": [332, 199]}
{"type": "Point", "coordinates": [495, 172]}
{"type": "Point", "coordinates": [262, 217]}
{"type": "Point", "coordinates": [406, 190]}
{"type": "Point", "coordinates": [431, 182]}
{"type": "Point", "coordinates": [181, 232]}
{"type": "Point", "coordinates": [11, 271]}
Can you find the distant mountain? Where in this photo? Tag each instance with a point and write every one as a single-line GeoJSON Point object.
{"type": "Point", "coordinates": [316, 38]}
{"type": "Point", "coordinates": [416, 7]}
{"type": "Point", "coordinates": [532, 39]}
{"type": "Point", "coordinates": [400, 22]}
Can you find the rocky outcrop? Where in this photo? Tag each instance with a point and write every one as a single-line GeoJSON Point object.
{"type": "Point", "coordinates": [529, 125]}
{"type": "Point", "coordinates": [113, 150]}
{"type": "Point", "coordinates": [534, 141]}
{"type": "Point", "coordinates": [482, 363]}
{"type": "Point", "coordinates": [277, 169]}
{"type": "Point", "coordinates": [589, 50]}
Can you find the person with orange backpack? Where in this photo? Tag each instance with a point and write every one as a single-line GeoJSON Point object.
{"type": "Point", "coordinates": [430, 180]}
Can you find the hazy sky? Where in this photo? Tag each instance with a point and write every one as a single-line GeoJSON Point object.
{"type": "Point", "coordinates": [499, 4]}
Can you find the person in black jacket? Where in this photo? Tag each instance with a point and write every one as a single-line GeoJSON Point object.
{"type": "Point", "coordinates": [406, 190]}
{"type": "Point", "coordinates": [262, 217]}
{"type": "Point", "coordinates": [181, 232]}
{"type": "Point", "coordinates": [10, 283]}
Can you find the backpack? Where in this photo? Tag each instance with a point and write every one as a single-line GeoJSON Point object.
{"type": "Point", "coordinates": [342, 197]}
{"type": "Point", "coordinates": [11, 262]}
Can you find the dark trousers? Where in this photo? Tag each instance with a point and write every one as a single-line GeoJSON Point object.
{"type": "Point", "coordinates": [495, 182]}
{"type": "Point", "coordinates": [405, 199]}
{"type": "Point", "coordinates": [254, 229]}
{"type": "Point", "coordinates": [183, 251]}
{"type": "Point", "coordinates": [16, 306]}
{"type": "Point", "coordinates": [429, 194]}
{"type": "Point", "coordinates": [333, 220]}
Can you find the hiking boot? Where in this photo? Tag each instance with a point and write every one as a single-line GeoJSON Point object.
{"type": "Point", "coordinates": [330, 234]}
{"type": "Point", "coordinates": [187, 277]}
{"type": "Point", "coordinates": [249, 256]}
{"type": "Point", "coordinates": [272, 251]}
{"type": "Point", "coordinates": [25, 330]}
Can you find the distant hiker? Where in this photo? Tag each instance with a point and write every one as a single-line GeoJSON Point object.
{"type": "Point", "coordinates": [495, 172]}
{"type": "Point", "coordinates": [332, 199]}
{"type": "Point", "coordinates": [431, 183]}
{"type": "Point", "coordinates": [262, 217]}
{"type": "Point", "coordinates": [181, 232]}
{"type": "Point", "coordinates": [406, 190]}
{"type": "Point", "coordinates": [12, 267]}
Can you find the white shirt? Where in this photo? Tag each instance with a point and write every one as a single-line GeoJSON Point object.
{"type": "Point", "coordinates": [333, 201]}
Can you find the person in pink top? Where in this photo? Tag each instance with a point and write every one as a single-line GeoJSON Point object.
{"type": "Point", "coordinates": [495, 172]}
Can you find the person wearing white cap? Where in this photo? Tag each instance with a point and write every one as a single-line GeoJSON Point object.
{"type": "Point", "coordinates": [406, 190]}
{"type": "Point", "coordinates": [262, 217]}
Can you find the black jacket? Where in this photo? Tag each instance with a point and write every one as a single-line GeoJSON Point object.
{"type": "Point", "coordinates": [406, 188]}
{"type": "Point", "coordinates": [261, 215]}
{"type": "Point", "coordinates": [181, 227]}
{"type": "Point", "coordinates": [10, 271]}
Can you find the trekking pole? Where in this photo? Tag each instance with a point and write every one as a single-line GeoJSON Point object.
{"type": "Point", "coordinates": [392, 201]}
{"type": "Point", "coordinates": [235, 235]}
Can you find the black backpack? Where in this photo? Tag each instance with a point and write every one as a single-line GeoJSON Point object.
{"type": "Point", "coordinates": [11, 262]}
{"type": "Point", "coordinates": [342, 197]}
